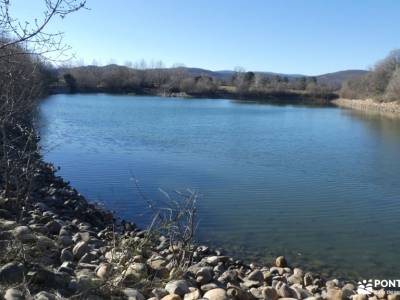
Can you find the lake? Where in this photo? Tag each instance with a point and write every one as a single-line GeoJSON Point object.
{"type": "Point", "coordinates": [318, 185]}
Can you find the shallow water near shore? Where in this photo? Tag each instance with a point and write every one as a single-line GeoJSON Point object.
{"type": "Point", "coordinates": [318, 185]}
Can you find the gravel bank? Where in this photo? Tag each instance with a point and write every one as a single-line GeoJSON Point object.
{"type": "Point", "coordinates": [389, 108]}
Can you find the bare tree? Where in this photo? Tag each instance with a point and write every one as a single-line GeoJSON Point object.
{"type": "Point", "coordinates": [393, 89]}
{"type": "Point", "coordinates": [23, 69]}
{"type": "Point", "coordinates": [381, 83]}
{"type": "Point", "coordinates": [33, 38]}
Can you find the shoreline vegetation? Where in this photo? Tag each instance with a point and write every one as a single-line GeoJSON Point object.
{"type": "Point", "coordinates": [54, 244]}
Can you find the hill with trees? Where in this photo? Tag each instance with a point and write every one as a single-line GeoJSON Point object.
{"type": "Point", "coordinates": [381, 84]}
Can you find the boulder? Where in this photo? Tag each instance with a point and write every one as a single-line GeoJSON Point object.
{"type": "Point", "coordinates": [178, 287]}
{"type": "Point", "coordinates": [204, 275]}
{"type": "Point", "coordinates": [66, 255]}
{"type": "Point", "coordinates": [53, 227]}
{"type": "Point", "coordinates": [159, 292]}
{"type": "Point", "coordinates": [298, 272]}
{"type": "Point", "coordinates": [104, 271]}
{"type": "Point", "coordinates": [256, 293]}
{"type": "Point", "coordinates": [5, 214]}
{"type": "Point", "coordinates": [269, 293]}
{"type": "Point", "coordinates": [247, 284]}
{"type": "Point", "coordinates": [65, 240]}
{"type": "Point", "coordinates": [389, 297]}
{"type": "Point", "coordinates": [14, 294]}
{"type": "Point", "coordinates": [256, 275]}
{"type": "Point", "coordinates": [284, 291]}
{"type": "Point", "coordinates": [12, 272]}
{"type": "Point", "coordinates": [238, 294]}
{"type": "Point", "coordinates": [209, 286]}
{"type": "Point", "coordinates": [7, 225]}
{"type": "Point", "coordinates": [293, 279]}
{"type": "Point", "coordinates": [216, 294]}
{"type": "Point", "coordinates": [157, 263]}
{"type": "Point", "coordinates": [45, 243]}
{"type": "Point", "coordinates": [194, 294]}
{"type": "Point", "coordinates": [45, 296]}
{"type": "Point", "coordinates": [312, 288]}
{"type": "Point", "coordinates": [87, 282]}
{"type": "Point", "coordinates": [133, 294]}
{"type": "Point", "coordinates": [80, 249]}
{"type": "Point", "coordinates": [334, 294]}
{"type": "Point", "coordinates": [23, 234]}
{"type": "Point", "coordinates": [172, 297]}
{"type": "Point", "coordinates": [88, 257]}
{"type": "Point", "coordinates": [281, 262]}
{"type": "Point", "coordinates": [301, 293]}
{"type": "Point", "coordinates": [214, 260]}
{"type": "Point", "coordinates": [135, 272]}
{"type": "Point", "coordinates": [229, 276]}
{"type": "Point", "coordinates": [67, 267]}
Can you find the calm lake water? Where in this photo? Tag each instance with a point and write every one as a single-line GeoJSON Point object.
{"type": "Point", "coordinates": [318, 185]}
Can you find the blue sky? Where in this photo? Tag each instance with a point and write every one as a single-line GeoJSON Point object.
{"type": "Point", "coordinates": [288, 36]}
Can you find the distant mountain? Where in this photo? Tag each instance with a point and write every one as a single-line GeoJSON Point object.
{"type": "Point", "coordinates": [333, 79]}
{"type": "Point", "coordinates": [226, 74]}
{"type": "Point", "coordinates": [337, 78]}
{"type": "Point", "coordinates": [198, 72]}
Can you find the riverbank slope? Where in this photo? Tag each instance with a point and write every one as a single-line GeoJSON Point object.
{"type": "Point", "coordinates": [387, 108]}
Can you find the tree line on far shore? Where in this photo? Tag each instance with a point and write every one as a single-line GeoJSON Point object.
{"type": "Point", "coordinates": [381, 83]}
{"type": "Point", "coordinates": [128, 79]}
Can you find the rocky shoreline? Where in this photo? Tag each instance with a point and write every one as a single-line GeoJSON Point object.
{"type": "Point", "coordinates": [60, 246]}
{"type": "Point", "coordinates": [387, 108]}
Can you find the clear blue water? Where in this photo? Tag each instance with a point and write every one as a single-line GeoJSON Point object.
{"type": "Point", "coordinates": [319, 185]}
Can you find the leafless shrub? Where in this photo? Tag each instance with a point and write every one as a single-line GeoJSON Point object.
{"type": "Point", "coordinates": [176, 219]}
